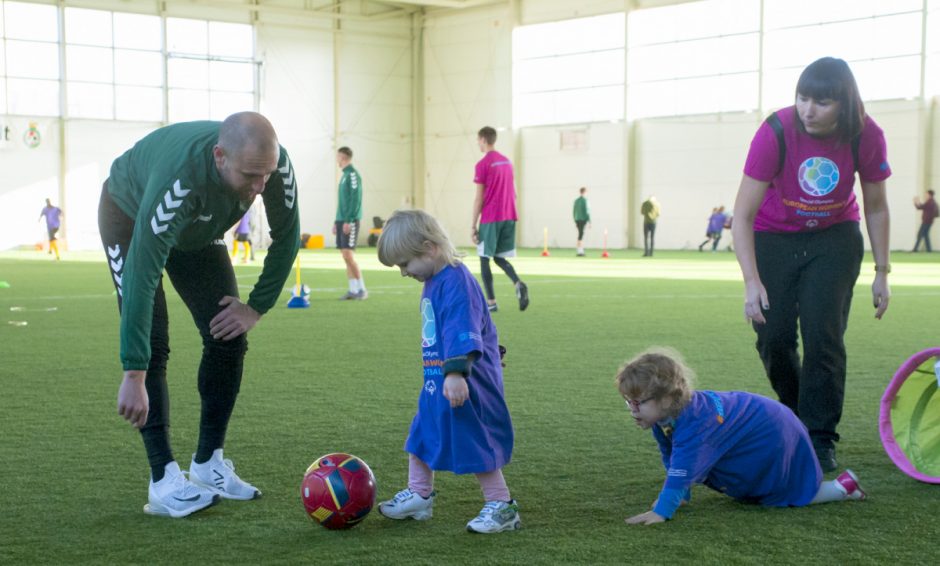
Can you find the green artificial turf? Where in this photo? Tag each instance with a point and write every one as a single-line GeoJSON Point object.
{"type": "Point", "coordinates": [345, 376]}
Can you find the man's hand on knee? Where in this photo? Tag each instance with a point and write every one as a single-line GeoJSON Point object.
{"type": "Point", "coordinates": [234, 320]}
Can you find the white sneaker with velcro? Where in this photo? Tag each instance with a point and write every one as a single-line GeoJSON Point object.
{"type": "Point", "coordinates": [496, 517]}
{"type": "Point", "coordinates": [408, 504]}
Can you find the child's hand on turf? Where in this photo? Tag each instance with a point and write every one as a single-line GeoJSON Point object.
{"type": "Point", "coordinates": [648, 518]}
{"type": "Point", "coordinates": [455, 389]}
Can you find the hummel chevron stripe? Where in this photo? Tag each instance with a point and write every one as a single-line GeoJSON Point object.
{"type": "Point", "coordinates": [162, 216]}
{"type": "Point", "coordinates": [117, 264]}
{"type": "Point", "coordinates": [290, 189]}
{"type": "Point", "coordinates": [157, 229]}
{"type": "Point", "coordinates": [179, 191]}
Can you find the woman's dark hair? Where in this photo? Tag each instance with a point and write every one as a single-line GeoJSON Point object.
{"type": "Point", "coordinates": [831, 78]}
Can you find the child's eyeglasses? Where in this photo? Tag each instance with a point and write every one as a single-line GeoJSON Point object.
{"type": "Point", "coordinates": [636, 403]}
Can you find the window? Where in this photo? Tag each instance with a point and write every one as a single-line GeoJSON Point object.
{"type": "Point", "coordinates": [115, 67]}
{"type": "Point", "coordinates": [693, 58]}
{"type": "Point", "coordinates": [881, 41]}
{"type": "Point", "coordinates": [569, 72]}
{"type": "Point", "coordinates": [110, 57]}
{"type": "Point", "coordinates": [29, 59]}
{"type": "Point", "coordinates": [210, 71]}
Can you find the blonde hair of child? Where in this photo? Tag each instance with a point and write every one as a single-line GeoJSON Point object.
{"type": "Point", "coordinates": [658, 373]}
{"type": "Point", "coordinates": [405, 236]}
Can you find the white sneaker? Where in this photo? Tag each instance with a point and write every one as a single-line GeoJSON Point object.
{"type": "Point", "coordinates": [496, 517]}
{"type": "Point", "coordinates": [175, 496]}
{"type": "Point", "coordinates": [218, 476]}
{"type": "Point", "coordinates": [408, 504]}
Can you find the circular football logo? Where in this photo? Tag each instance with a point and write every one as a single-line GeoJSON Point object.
{"type": "Point", "coordinates": [428, 328]}
{"type": "Point", "coordinates": [818, 176]}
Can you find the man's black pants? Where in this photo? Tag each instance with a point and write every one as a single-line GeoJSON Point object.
{"type": "Point", "coordinates": [201, 277]}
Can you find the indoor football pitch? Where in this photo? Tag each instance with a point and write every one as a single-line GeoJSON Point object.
{"type": "Point", "coordinates": [345, 376]}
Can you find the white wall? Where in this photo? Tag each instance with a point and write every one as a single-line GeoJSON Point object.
{"type": "Point", "coordinates": [902, 121]}
{"type": "Point", "coordinates": [91, 146]}
{"type": "Point", "coordinates": [553, 177]}
{"type": "Point", "coordinates": [375, 113]}
{"type": "Point", "coordinates": [468, 85]}
{"type": "Point", "coordinates": [933, 179]}
{"type": "Point", "coordinates": [297, 96]}
{"type": "Point", "coordinates": [690, 163]}
{"type": "Point", "coordinates": [27, 178]}
{"type": "Point", "coordinates": [375, 79]}
{"type": "Point", "coordinates": [694, 163]}
{"type": "Point", "coordinates": [537, 11]}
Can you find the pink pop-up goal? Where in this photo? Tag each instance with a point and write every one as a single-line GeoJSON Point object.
{"type": "Point", "coordinates": [910, 417]}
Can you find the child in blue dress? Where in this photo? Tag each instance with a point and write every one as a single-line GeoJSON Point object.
{"type": "Point", "coordinates": [462, 424]}
{"type": "Point", "coordinates": [741, 444]}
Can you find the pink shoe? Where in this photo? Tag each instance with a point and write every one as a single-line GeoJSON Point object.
{"type": "Point", "coordinates": [849, 482]}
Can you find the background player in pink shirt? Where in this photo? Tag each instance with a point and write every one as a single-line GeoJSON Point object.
{"type": "Point", "coordinates": [798, 242]}
{"type": "Point", "coordinates": [495, 209]}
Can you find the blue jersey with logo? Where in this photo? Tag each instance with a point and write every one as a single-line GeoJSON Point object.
{"type": "Point", "coordinates": [741, 444]}
{"type": "Point", "coordinates": [476, 437]}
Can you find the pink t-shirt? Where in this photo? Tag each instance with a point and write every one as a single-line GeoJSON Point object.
{"type": "Point", "coordinates": [815, 187]}
{"type": "Point", "coordinates": [494, 172]}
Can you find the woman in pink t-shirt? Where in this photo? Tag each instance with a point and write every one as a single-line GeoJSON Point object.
{"type": "Point", "coordinates": [798, 241]}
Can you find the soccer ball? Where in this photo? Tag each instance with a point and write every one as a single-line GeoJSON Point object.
{"type": "Point", "coordinates": [338, 491]}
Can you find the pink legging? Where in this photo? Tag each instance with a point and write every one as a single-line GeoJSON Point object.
{"type": "Point", "coordinates": [421, 481]}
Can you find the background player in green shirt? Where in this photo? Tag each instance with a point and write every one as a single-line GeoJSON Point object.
{"type": "Point", "coordinates": [166, 205]}
{"type": "Point", "coordinates": [582, 217]}
{"type": "Point", "coordinates": [346, 228]}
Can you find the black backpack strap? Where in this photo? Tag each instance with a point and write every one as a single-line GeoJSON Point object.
{"type": "Point", "coordinates": [774, 122]}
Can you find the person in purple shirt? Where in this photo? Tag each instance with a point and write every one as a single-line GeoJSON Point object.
{"type": "Point", "coordinates": [462, 424]}
{"type": "Point", "coordinates": [928, 212]}
{"type": "Point", "coordinates": [716, 224]}
{"type": "Point", "coordinates": [743, 445]}
{"type": "Point", "coordinates": [242, 234]}
{"type": "Point", "coordinates": [53, 215]}
{"type": "Point", "coordinates": [495, 209]}
{"type": "Point", "coordinates": [797, 239]}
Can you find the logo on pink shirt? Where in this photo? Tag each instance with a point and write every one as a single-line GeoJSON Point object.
{"type": "Point", "coordinates": [818, 176]}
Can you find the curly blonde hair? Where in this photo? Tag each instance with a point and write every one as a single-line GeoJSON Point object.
{"type": "Point", "coordinates": [658, 373]}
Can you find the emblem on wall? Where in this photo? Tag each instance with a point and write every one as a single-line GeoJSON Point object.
{"type": "Point", "coordinates": [31, 137]}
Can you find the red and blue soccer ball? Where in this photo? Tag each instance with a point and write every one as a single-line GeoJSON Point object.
{"type": "Point", "coordinates": [338, 491]}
